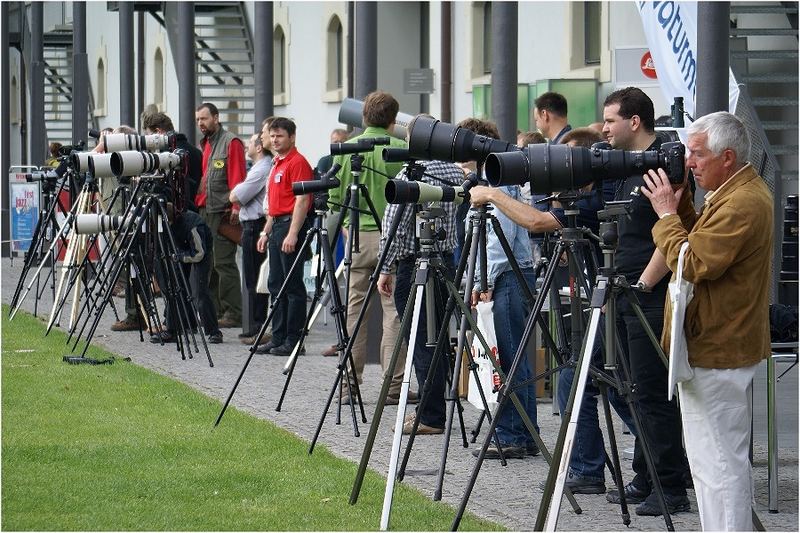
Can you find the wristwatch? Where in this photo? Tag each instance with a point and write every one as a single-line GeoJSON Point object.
{"type": "Point", "coordinates": [643, 286]}
{"type": "Point", "coordinates": [263, 234]}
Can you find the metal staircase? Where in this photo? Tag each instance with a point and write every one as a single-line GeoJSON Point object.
{"type": "Point", "coordinates": [225, 69]}
{"type": "Point", "coordinates": [764, 57]}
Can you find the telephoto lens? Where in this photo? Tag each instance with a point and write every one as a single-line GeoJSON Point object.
{"type": "Point", "coordinates": [80, 160]}
{"type": "Point", "coordinates": [100, 165]}
{"type": "Point", "coordinates": [120, 142]}
{"type": "Point", "coordinates": [93, 223]}
{"type": "Point", "coordinates": [415, 192]}
{"type": "Point", "coordinates": [431, 139]}
{"type": "Point", "coordinates": [131, 163]}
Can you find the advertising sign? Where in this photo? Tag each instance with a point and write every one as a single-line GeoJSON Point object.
{"type": "Point", "coordinates": [24, 209]}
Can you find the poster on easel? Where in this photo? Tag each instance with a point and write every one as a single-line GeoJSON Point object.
{"type": "Point", "coordinates": [24, 211]}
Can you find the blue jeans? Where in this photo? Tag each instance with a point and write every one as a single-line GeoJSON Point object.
{"type": "Point", "coordinates": [510, 314]}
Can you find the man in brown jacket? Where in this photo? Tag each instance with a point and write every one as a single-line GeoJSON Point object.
{"type": "Point", "coordinates": [727, 321]}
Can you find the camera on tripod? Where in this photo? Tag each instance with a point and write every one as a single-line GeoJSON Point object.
{"type": "Point", "coordinates": [432, 139]}
{"type": "Point", "coordinates": [416, 192]}
{"type": "Point", "coordinates": [361, 145]}
{"type": "Point", "coordinates": [130, 163]}
{"type": "Point", "coordinates": [92, 223]}
{"type": "Point", "coordinates": [327, 182]}
{"type": "Point", "coordinates": [120, 142]}
{"type": "Point", "coordinates": [42, 175]}
{"type": "Point", "coordinates": [560, 167]}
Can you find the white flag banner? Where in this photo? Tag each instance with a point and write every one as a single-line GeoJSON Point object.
{"type": "Point", "coordinates": [671, 31]}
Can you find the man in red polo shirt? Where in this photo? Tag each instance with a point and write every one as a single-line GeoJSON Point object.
{"type": "Point", "coordinates": [284, 233]}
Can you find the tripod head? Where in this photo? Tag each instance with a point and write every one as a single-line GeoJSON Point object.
{"type": "Point", "coordinates": [429, 229]}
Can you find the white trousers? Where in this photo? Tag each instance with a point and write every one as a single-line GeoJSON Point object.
{"type": "Point", "coordinates": [716, 407]}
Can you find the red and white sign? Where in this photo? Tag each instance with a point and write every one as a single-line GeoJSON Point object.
{"type": "Point", "coordinates": [647, 66]}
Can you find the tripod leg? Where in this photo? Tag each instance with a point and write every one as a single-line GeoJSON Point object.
{"type": "Point", "coordinates": [612, 442]}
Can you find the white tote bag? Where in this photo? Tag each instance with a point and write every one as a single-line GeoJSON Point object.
{"type": "Point", "coordinates": [488, 378]}
{"type": "Point", "coordinates": [263, 276]}
{"type": "Point", "coordinates": [680, 294]}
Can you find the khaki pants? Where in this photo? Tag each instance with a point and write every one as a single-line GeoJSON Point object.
{"type": "Point", "coordinates": [225, 285]}
{"type": "Point", "coordinates": [363, 265]}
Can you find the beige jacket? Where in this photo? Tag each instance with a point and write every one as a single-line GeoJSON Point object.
{"type": "Point", "coordinates": [729, 262]}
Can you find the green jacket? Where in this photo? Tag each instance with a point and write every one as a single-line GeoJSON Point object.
{"type": "Point", "coordinates": [375, 182]}
{"type": "Point", "coordinates": [729, 262]}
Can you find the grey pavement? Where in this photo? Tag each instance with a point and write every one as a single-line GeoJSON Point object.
{"type": "Point", "coordinates": [509, 495]}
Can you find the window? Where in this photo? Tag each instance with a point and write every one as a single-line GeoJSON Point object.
{"type": "Point", "coordinates": [487, 38]}
{"type": "Point", "coordinates": [158, 79]}
{"type": "Point", "coordinates": [100, 109]}
{"type": "Point", "coordinates": [481, 42]}
{"type": "Point", "coordinates": [279, 60]}
{"type": "Point", "coordinates": [335, 55]}
{"type": "Point", "coordinates": [592, 12]}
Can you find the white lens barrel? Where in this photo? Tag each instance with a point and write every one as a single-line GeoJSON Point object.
{"type": "Point", "coordinates": [129, 163]}
{"type": "Point", "coordinates": [80, 160]}
{"type": "Point", "coordinates": [100, 165]}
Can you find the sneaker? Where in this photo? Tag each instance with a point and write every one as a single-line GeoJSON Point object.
{"type": "Point", "coordinates": [164, 336]}
{"type": "Point", "coordinates": [266, 347]}
{"type": "Point", "coordinates": [215, 338]}
{"type": "Point", "coordinates": [676, 503]}
{"type": "Point", "coordinates": [226, 322]}
{"type": "Point", "coordinates": [581, 485]}
{"type": "Point", "coordinates": [330, 352]}
{"type": "Point", "coordinates": [394, 399]}
{"type": "Point", "coordinates": [126, 324]}
{"type": "Point", "coordinates": [509, 452]}
{"type": "Point", "coordinates": [422, 429]}
{"type": "Point", "coordinates": [633, 494]}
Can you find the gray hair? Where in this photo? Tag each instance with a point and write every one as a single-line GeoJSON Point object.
{"type": "Point", "coordinates": [724, 131]}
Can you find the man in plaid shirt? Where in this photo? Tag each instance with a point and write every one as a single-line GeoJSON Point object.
{"type": "Point", "coordinates": [402, 255]}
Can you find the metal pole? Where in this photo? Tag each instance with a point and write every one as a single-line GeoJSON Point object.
{"type": "Point", "coordinates": [366, 48]}
{"type": "Point", "coordinates": [351, 24]}
{"type": "Point", "coordinates": [127, 95]}
{"type": "Point", "coordinates": [713, 63]}
{"type": "Point", "coordinates": [264, 77]}
{"type": "Point", "coordinates": [504, 68]}
{"type": "Point", "coordinates": [447, 63]}
{"type": "Point", "coordinates": [80, 74]}
{"type": "Point", "coordinates": [140, 66]}
{"type": "Point", "coordinates": [424, 50]}
{"type": "Point", "coordinates": [38, 137]}
{"type": "Point", "coordinates": [185, 67]}
{"type": "Point", "coordinates": [5, 138]}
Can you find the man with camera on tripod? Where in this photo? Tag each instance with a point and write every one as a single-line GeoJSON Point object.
{"type": "Point", "coordinates": [727, 322]}
{"type": "Point", "coordinates": [401, 257]}
{"type": "Point", "coordinates": [379, 113]}
{"type": "Point", "coordinates": [629, 124]}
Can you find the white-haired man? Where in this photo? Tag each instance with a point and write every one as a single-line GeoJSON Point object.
{"type": "Point", "coordinates": [727, 322]}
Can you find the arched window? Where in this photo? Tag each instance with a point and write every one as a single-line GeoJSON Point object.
{"type": "Point", "coordinates": [279, 60]}
{"type": "Point", "coordinates": [101, 88]}
{"type": "Point", "coordinates": [158, 79]}
{"type": "Point", "coordinates": [335, 55]}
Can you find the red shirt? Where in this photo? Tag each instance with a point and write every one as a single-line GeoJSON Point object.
{"type": "Point", "coordinates": [237, 170]}
{"type": "Point", "coordinates": [286, 170]}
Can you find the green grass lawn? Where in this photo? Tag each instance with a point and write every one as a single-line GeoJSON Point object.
{"type": "Point", "coordinates": [118, 447]}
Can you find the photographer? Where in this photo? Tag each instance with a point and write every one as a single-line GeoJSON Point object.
{"type": "Point", "coordinates": [194, 244]}
{"type": "Point", "coordinates": [510, 311]}
{"type": "Point", "coordinates": [727, 323]}
{"type": "Point", "coordinates": [628, 124]}
{"type": "Point", "coordinates": [380, 111]}
{"type": "Point", "coordinates": [160, 123]}
{"type": "Point", "coordinates": [402, 255]}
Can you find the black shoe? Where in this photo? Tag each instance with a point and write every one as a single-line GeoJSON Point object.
{"type": "Point", "coordinates": [215, 338]}
{"type": "Point", "coordinates": [283, 350]}
{"type": "Point", "coordinates": [633, 494]}
{"type": "Point", "coordinates": [581, 485]}
{"type": "Point", "coordinates": [676, 503]}
{"type": "Point", "coordinates": [246, 335]}
{"type": "Point", "coordinates": [266, 347]}
{"type": "Point", "coordinates": [164, 336]}
{"type": "Point", "coordinates": [509, 452]}
{"type": "Point", "coordinates": [531, 449]}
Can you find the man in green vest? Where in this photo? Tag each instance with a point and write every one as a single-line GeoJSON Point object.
{"type": "Point", "coordinates": [223, 169]}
